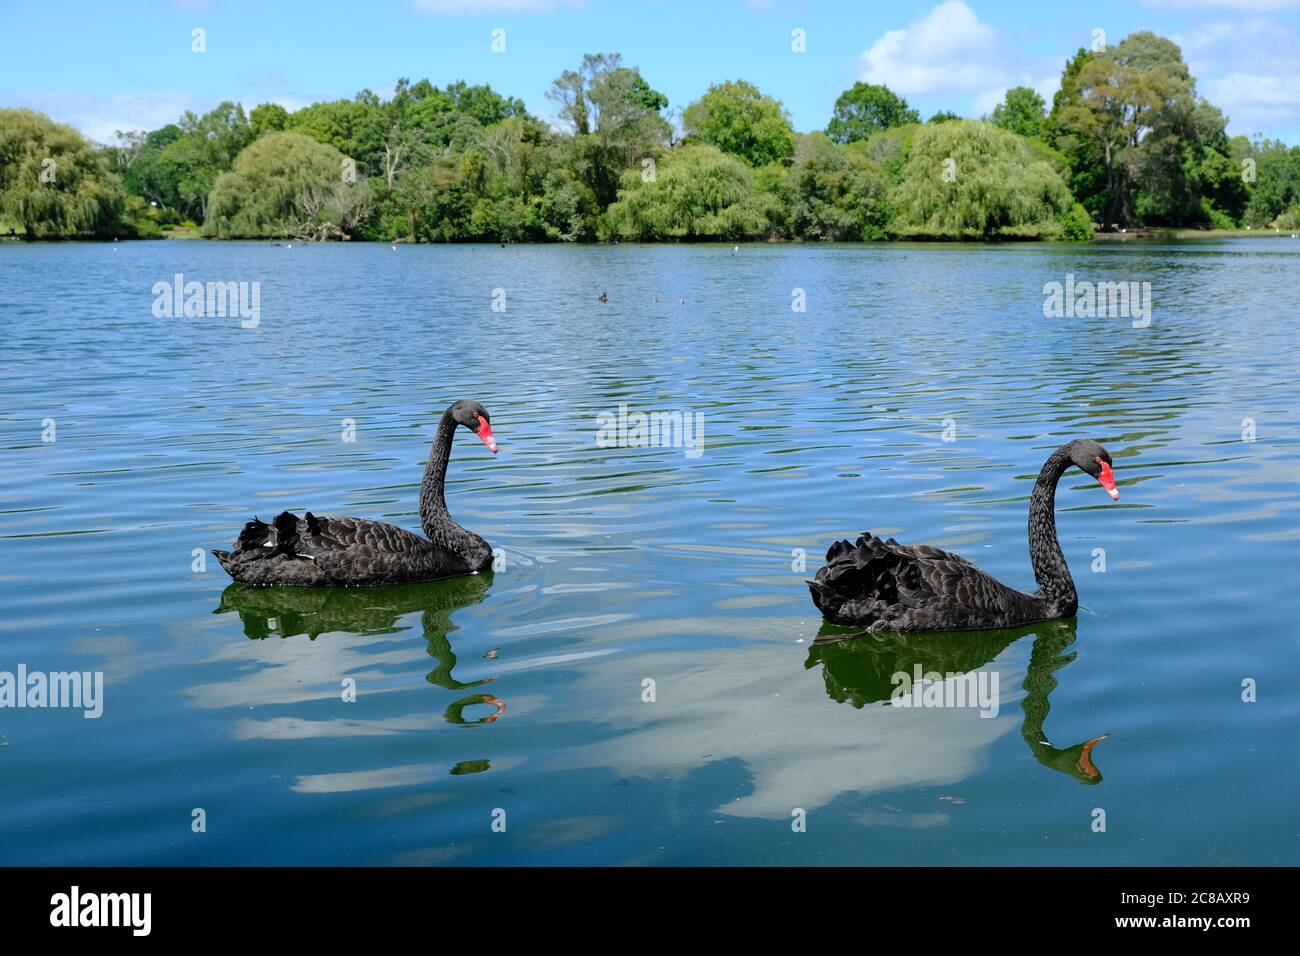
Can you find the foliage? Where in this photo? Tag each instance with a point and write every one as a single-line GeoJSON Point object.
{"type": "Point", "coordinates": [865, 108]}
{"type": "Point", "coordinates": [1022, 111]}
{"type": "Point", "coordinates": [697, 192]}
{"type": "Point", "coordinates": [286, 185]}
{"type": "Point", "coordinates": [206, 146]}
{"type": "Point", "coordinates": [1161, 147]}
{"type": "Point", "coordinates": [615, 118]}
{"type": "Point", "coordinates": [268, 118]}
{"type": "Point", "coordinates": [837, 193]}
{"type": "Point", "coordinates": [1127, 136]}
{"type": "Point", "coordinates": [1276, 175]}
{"type": "Point", "coordinates": [53, 183]}
{"type": "Point", "coordinates": [738, 119]}
{"type": "Point", "coordinates": [972, 180]}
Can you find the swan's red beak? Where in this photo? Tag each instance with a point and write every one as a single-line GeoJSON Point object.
{"type": "Point", "coordinates": [485, 432]}
{"type": "Point", "coordinates": [1107, 479]}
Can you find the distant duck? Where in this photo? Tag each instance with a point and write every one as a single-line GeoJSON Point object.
{"type": "Point", "coordinates": [682, 300]}
{"type": "Point", "coordinates": [604, 297]}
{"type": "Point", "coordinates": [654, 300]}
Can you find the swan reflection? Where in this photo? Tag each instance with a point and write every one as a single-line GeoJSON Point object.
{"type": "Point", "coordinates": [289, 612]}
{"type": "Point", "coordinates": [862, 669]}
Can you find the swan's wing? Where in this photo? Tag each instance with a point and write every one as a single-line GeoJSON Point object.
{"type": "Point", "coordinates": [322, 535]}
{"type": "Point", "coordinates": [905, 586]}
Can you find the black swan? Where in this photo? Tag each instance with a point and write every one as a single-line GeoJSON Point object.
{"type": "Point", "coordinates": [887, 586]}
{"type": "Point", "coordinates": [317, 551]}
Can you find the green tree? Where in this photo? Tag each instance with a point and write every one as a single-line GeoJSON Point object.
{"type": "Point", "coordinates": [738, 119]}
{"type": "Point", "coordinates": [1087, 172]}
{"type": "Point", "coordinates": [697, 192]}
{"type": "Point", "coordinates": [53, 183]}
{"type": "Point", "coordinates": [1135, 106]}
{"type": "Point", "coordinates": [1023, 112]}
{"type": "Point", "coordinates": [973, 180]}
{"type": "Point", "coordinates": [615, 118]}
{"type": "Point", "coordinates": [836, 191]}
{"type": "Point", "coordinates": [287, 185]}
{"type": "Point", "coordinates": [1274, 185]}
{"type": "Point", "coordinates": [355, 127]}
{"type": "Point", "coordinates": [268, 118]}
{"type": "Point", "coordinates": [864, 108]}
{"type": "Point", "coordinates": [943, 116]}
{"type": "Point", "coordinates": [206, 147]}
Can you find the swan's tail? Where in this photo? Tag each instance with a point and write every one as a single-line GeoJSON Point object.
{"type": "Point", "coordinates": [258, 540]}
{"type": "Point", "coordinates": [827, 600]}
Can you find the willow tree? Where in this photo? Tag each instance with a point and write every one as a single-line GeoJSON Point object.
{"type": "Point", "coordinates": [53, 183]}
{"type": "Point", "coordinates": [696, 192]}
{"type": "Point", "coordinates": [972, 180]}
{"type": "Point", "coordinates": [287, 185]}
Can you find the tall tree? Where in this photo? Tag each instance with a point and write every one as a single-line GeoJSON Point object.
{"type": "Point", "coordinates": [616, 118]}
{"type": "Point", "coordinates": [738, 119]}
{"type": "Point", "coordinates": [206, 147]}
{"type": "Point", "coordinates": [1136, 106]}
{"type": "Point", "coordinates": [1087, 172]}
{"type": "Point", "coordinates": [866, 107]}
{"type": "Point", "coordinates": [1022, 111]}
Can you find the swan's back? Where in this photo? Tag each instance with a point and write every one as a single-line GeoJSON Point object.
{"type": "Point", "coordinates": [322, 551]}
{"type": "Point", "coordinates": [884, 585]}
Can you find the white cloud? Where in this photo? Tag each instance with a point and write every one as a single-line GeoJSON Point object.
{"type": "Point", "coordinates": [1256, 103]}
{"type": "Point", "coordinates": [1250, 69]}
{"type": "Point", "coordinates": [947, 50]}
{"type": "Point", "coordinates": [99, 116]}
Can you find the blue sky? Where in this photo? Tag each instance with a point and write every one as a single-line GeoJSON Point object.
{"type": "Point", "coordinates": [129, 64]}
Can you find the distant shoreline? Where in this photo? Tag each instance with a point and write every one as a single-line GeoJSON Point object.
{"type": "Point", "coordinates": [1143, 234]}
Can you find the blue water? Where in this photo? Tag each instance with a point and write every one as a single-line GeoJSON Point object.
{"type": "Point", "coordinates": [628, 565]}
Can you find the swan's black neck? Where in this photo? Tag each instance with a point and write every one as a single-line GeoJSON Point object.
{"type": "Point", "coordinates": [439, 526]}
{"type": "Point", "coordinates": [433, 506]}
{"type": "Point", "coordinates": [1050, 570]}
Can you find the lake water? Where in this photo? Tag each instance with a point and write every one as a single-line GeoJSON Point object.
{"type": "Point", "coordinates": [628, 565]}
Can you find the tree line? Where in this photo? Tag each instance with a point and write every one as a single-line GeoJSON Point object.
{"type": "Point", "coordinates": [1126, 142]}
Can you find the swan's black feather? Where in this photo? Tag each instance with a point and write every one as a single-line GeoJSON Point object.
{"type": "Point", "coordinates": [887, 586]}
{"type": "Point", "coordinates": [329, 552]}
